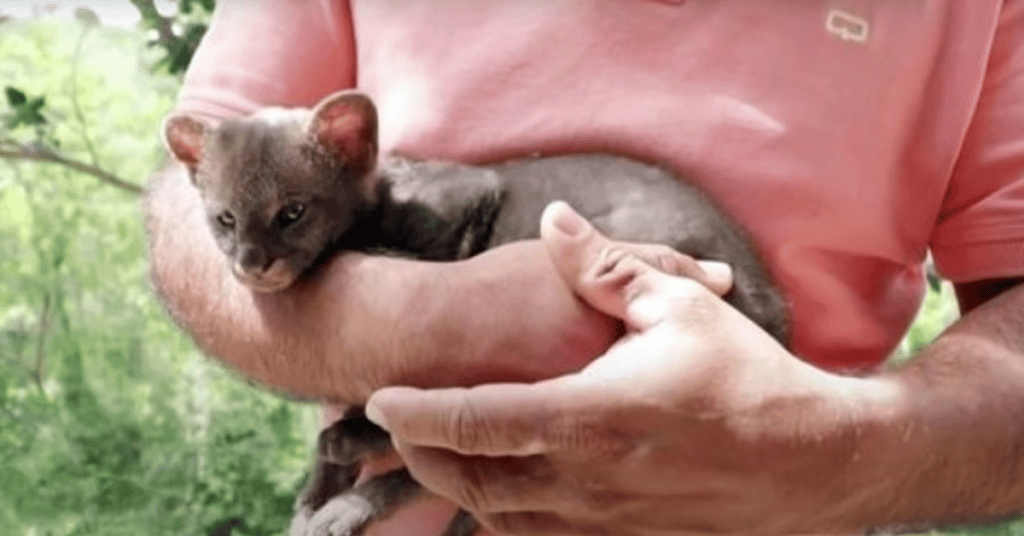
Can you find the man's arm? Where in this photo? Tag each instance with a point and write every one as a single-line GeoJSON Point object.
{"type": "Point", "coordinates": [699, 423]}
{"type": "Point", "coordinates": [364, 322]}
{"type": "Point", "coordinates": [963, 423]}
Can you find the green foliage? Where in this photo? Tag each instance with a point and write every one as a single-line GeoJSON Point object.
{"type": "Point", "coordinates": [189, 6]}
{"type": "Point", "coordinates": [179, 35]}
{"type": "Point", "coordinates": [24, 110]}
{"type": "Point", "coordinates": [110, 422]}
{"type": "Point", "coordinates": [178, 54]}
{"type": "Point", "coordinates": [938, 310]}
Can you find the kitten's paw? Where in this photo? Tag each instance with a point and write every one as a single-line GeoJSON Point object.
{"type": "Point", "coordinates": [345, 515]}
{"type": "Point", "coordinates": [300, 521]}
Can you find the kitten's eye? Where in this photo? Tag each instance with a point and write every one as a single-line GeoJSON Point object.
{"type": "Point", "coordinates": [290, 214]}
{"type": "Point", "coordinates": [226, 220]}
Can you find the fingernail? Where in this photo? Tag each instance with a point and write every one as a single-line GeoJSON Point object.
{"type": "Point", "coordinates": [375, 416]}
{"type": "Point", "coordinates": [568, 221]}
{"type": "Point", "coordinates": [717, 271]}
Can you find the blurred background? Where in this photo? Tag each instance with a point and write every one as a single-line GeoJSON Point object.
{"type": "Point", "coordinates": [111, 422]}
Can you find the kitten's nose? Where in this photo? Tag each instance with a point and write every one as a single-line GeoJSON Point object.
{"type": "Point", "coordinates": [252, 260]}
{"type": "Point", "coordinates": [254, 268]}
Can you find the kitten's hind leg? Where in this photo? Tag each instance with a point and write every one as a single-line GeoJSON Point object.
{"type": "Point", "coordinates": [349, 513]}
{"type": "Point", "coordinates": [341, 450]}
{"type": "Point", "coordinates": [328, 480]}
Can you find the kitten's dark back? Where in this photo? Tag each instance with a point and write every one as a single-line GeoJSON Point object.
{"type": "Point", "coordinates": [624, 198]}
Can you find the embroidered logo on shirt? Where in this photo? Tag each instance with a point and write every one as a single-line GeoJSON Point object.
{"type": "Point", "coordinates": [847, 26]}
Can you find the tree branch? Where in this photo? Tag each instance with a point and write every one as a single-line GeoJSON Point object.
{"type": "Point", "coordinates": [45, 319]}
{"type": "Point", "coordinates": [76, 60]}
{"type": "Point", "coordinates": [41, 153]}
{"type": "Point", "coordinates": [162, 25]}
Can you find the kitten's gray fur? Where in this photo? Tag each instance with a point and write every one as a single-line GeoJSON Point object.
{"type": "Point", "coordinates": [264, 169]}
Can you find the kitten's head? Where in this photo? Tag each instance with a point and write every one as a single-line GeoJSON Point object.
{"type": "Point", "coordinates": [281, 185]}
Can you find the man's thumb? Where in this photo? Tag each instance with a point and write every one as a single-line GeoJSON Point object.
{"type": "Point", "coordinates": [605, 273]}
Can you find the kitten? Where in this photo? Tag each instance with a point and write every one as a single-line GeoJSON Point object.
{"type": "Point", "coordinates": [283, 189]}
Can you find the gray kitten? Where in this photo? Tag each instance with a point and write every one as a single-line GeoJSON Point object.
{"type": "Point", "coordinates": [284, 189]}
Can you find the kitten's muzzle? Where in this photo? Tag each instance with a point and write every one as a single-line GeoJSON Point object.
{"type": "Point", "coordinates": [275, 276]}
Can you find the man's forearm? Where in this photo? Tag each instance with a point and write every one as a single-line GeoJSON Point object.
{"type": "Point", "coordinates": [364, 322]}
{"type": "Point", "coordinates": [953, 454]}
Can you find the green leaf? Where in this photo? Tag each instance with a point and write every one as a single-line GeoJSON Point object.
{"type": "Point", "coordinates": [188, 6]}
{"type": "Point", "coordinates": [27, 111]}
{"type": "Point", "coordinates": [15, 97]}
{"type": "Point", "coordinates": [179, 57]}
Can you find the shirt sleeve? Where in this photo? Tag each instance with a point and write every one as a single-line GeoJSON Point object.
{"type": "Point", "coordinates": [270, 52]}
{"type": "Point", "coordinates": [980, 230]}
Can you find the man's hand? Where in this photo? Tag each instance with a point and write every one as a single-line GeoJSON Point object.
{"type": "Point", "coordinates": [695, 422]}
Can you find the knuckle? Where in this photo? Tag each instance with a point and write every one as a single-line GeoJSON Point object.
{"type": "Point", "coordinates": [593, 439]}
{"type": "Point", "coordinates": [464, 427]}
{"type": "Point", "coordinates": [609, 259]}
{"type": "Point", "coordinates": [618, 266]}
{"type": "Point", "coordinates": [615, 267]}
{"type": "Point", "coordinates": [662, 269]}
{"type": "Point", "coordinates": [673, 262]}
{"type": "Point", "coordinates": [563, 434]}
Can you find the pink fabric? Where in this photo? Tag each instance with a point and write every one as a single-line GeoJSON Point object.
{"type": "Point", "coordinates": [846, 140]}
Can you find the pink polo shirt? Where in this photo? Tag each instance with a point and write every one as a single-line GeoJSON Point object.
{"type": "Point", "coordinates": [847, 136]}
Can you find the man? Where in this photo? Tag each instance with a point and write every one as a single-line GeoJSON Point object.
{"type": "Point", "coordinates": [848, 137]}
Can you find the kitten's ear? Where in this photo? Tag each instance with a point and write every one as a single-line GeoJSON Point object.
{"type": "Point", "coordinates": [345, 124]}
{"type": "Point", "coordinates": [183, 136]}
